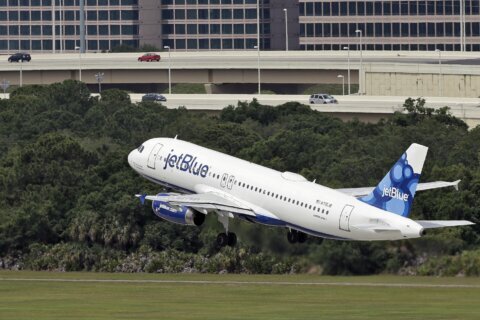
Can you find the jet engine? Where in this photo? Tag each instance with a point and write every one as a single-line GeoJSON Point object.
{"type": "Point", "coordinates": [177, 214]}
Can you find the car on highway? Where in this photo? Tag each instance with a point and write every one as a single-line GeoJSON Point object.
{"type": "Point", "coordinates": [20, 56]}
{"type": "Point", "coordinates": [154, 97]}
{"type": "Point", "coordinates": [322, 98]}
{"type": "Point", "coordinates": [147, 57]}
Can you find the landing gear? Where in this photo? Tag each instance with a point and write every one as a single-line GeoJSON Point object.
{"type": "Point", "coordinates": [225, 238]}
{"type": "Point", "coordinates": [232, 239]}
{"type": "Point", "coordinates": [222, 239]}
{"type": "Point", "coordinates": [292, 236]}
{"type": "Point", "coordinates": [295, 236]}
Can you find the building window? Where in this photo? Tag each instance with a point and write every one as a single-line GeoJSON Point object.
{"type": "Point", "coordinates": [352, 8]}
{"type": "Point", "coordinates": [343, 8]}
{"type": "Point", "coordinates": [238, 13]}
{"type": "Point", "coordinates": [102, 15]}
{"type": "Point", "coordinates": [192, 44]}
{"type": "Point", "coordinates": [335, 8]}
{"type": "Point", "coordinates": [250, 28]}
{"type": "Point", "coordinates": [215, 44]}
{"type": "Point", "coordinates": [180, 44]}
{"type": "Point", "coordinates": [203, 44]}
{"type": "Point", "coordinates": [192, 29]}
{"type": "Point", "coordinates": [215, 14]}
{"type": "Point", "coordinates": [326, 9]}
{"type": "Point", "coordinates": [91, 15]}
{"type": "Point", "coordinates": [191, 14]}
{"type": "Point", "coordinates": [180, 29]}
{"type": "Point", "coordinates": [227, 29]}
{"type": "Point", "coordinates": [239, 44]}
{"type": "Point", "coordinates": [92, 30]}
{"type": "Point", "coordinates": [227, 44]}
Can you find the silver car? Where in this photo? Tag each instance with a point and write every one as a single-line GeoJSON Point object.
{"type": "Point", "coordinates": [322, 98]}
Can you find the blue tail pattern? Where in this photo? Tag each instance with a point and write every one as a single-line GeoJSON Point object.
{"type": "Point", "coordinates": [396, 191]}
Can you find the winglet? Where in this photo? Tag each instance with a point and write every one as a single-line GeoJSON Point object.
{"type": "Point", "coordinates": [455, 184]}
{"type": "Point", "coordinates": [141, 197]}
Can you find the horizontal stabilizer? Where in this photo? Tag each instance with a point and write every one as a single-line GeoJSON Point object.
{"type": "Point", "coordinates": [437, 184]}
{"type": "Point", "coordinates": [431, 224]}
{"type": "Point", "coordinates": [363, 191]}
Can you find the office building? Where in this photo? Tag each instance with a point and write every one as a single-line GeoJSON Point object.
{"type": "Point", "coordinates": [447, 25]}
{"type": "Point", "coordinates": [195, 25]}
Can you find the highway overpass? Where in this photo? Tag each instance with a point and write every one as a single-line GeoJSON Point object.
{"type": "Point", "coordinates": [383, 73]}
{"type": "Point", "coordinates": [365, 108]}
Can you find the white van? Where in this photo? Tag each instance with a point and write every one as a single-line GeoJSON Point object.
{"type": "Point", "coordinates": [322, 98]}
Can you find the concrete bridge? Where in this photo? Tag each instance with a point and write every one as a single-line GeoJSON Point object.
{"type": "Point", "coordinates": [377, 73]}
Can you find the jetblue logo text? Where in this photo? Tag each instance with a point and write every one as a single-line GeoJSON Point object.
{"type": "Point", "coordinates": [395, 193]}
{"type": "Point", "coordinates": [186, 163]}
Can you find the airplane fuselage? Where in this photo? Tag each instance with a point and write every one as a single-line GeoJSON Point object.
{"type": "Point", "coordinates": [278, 199]}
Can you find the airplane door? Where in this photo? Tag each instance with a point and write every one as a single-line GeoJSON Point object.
{"type": "Point", "coordinates": [153, 155]}
{"type": "Point", "coordinates": [223, 183]}
{"type": "Point", "coordinates": [230, 182]}
{"type": "Point", "coordinates": [345, 218]}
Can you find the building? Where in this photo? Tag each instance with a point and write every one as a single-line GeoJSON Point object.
{"type": "Point", "coordinates": [390, 25]}
{"type": "Point", "coordinates": [186, 25]}
{"type": "Point", "coordinates": [54, 25]}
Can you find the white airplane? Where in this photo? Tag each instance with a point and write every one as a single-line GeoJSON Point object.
{"type": "Point", "coordinates": [233, 188]}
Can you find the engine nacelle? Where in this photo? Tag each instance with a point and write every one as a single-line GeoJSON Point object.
{"type": "Point", "coordinates": [177, 214]}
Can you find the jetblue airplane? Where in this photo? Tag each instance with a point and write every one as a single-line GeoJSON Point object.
{"type": "Point", "coordinates": [209, 181]}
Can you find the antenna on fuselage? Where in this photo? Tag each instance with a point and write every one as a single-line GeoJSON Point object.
{"type": "Point", "coordinates": [314, 180]}
{"type": "Point", "coordinates": [175, 137]}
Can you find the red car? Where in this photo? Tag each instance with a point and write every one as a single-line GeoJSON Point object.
{"type": "Point", "coordinates": [149, 57]}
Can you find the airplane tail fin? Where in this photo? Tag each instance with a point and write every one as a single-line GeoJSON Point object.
{"type": "Point", "coordinates": [396, 191]}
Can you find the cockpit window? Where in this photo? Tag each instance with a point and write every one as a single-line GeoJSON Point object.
{"type": "Point", "coordinates": [140, 149]}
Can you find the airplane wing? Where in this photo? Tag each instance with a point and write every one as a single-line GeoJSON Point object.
{"type": "Point", "coordinates": [208, 200]}
{"type": "Point", "coordinates": [364, 191]}
{"type": "Point", "coordinates": [430, 224]}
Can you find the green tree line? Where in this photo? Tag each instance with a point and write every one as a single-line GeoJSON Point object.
{"type": "Point", "coordinates": [66, 190]}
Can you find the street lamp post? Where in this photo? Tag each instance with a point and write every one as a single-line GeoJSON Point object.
{"type": "Point", "coordinates": [21, 72]}
{"type": "Point", "coordinates": [258, 45]}
{"type": "Point", "coordinates": [79, 63]}
{"type": "Point", "coordinates": [348, 67]}
{"type": "Point", "coordinates": [99, 77]}
{"type": "Point", "coordinates": [343, 83]}
{"type": "Point", "coordinates": [360, 78]}
{"type": "Point", "coordinates": [439, 71]}
{"type": "Point", "coordinates": [286, 28]}
{"type": "Point", "coordinates": [258, 68]}
{"type": "Point", "coordinates": [169, 70]}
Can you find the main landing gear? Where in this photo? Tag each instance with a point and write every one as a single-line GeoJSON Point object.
{"type": "Point", "coordinates": [295, 236]}
{"type": "Point", "coordinates": [225, 238]}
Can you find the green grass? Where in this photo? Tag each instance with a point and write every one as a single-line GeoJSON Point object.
{"type": "Point", "coordinates": [33, 299]}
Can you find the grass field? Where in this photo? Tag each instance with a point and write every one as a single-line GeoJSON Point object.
{"type": "Point", "coordinates": [48, 295]}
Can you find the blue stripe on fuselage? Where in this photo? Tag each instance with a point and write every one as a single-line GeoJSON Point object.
{"type": "Point", "coordinates": [259, 217]}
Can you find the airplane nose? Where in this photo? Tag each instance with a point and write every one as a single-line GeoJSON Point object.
{"type": "Point", "coordinates": [130, 158]}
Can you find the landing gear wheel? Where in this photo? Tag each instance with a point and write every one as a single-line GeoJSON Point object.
{"type": "Point", "coordinates": [222, 239]}
{"type": "Point", "coordinates": [232, 239]}
{"type": "Point", "coordinates": [292, 236]}
{"type": "Point", "coordinates": [302, 237]}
